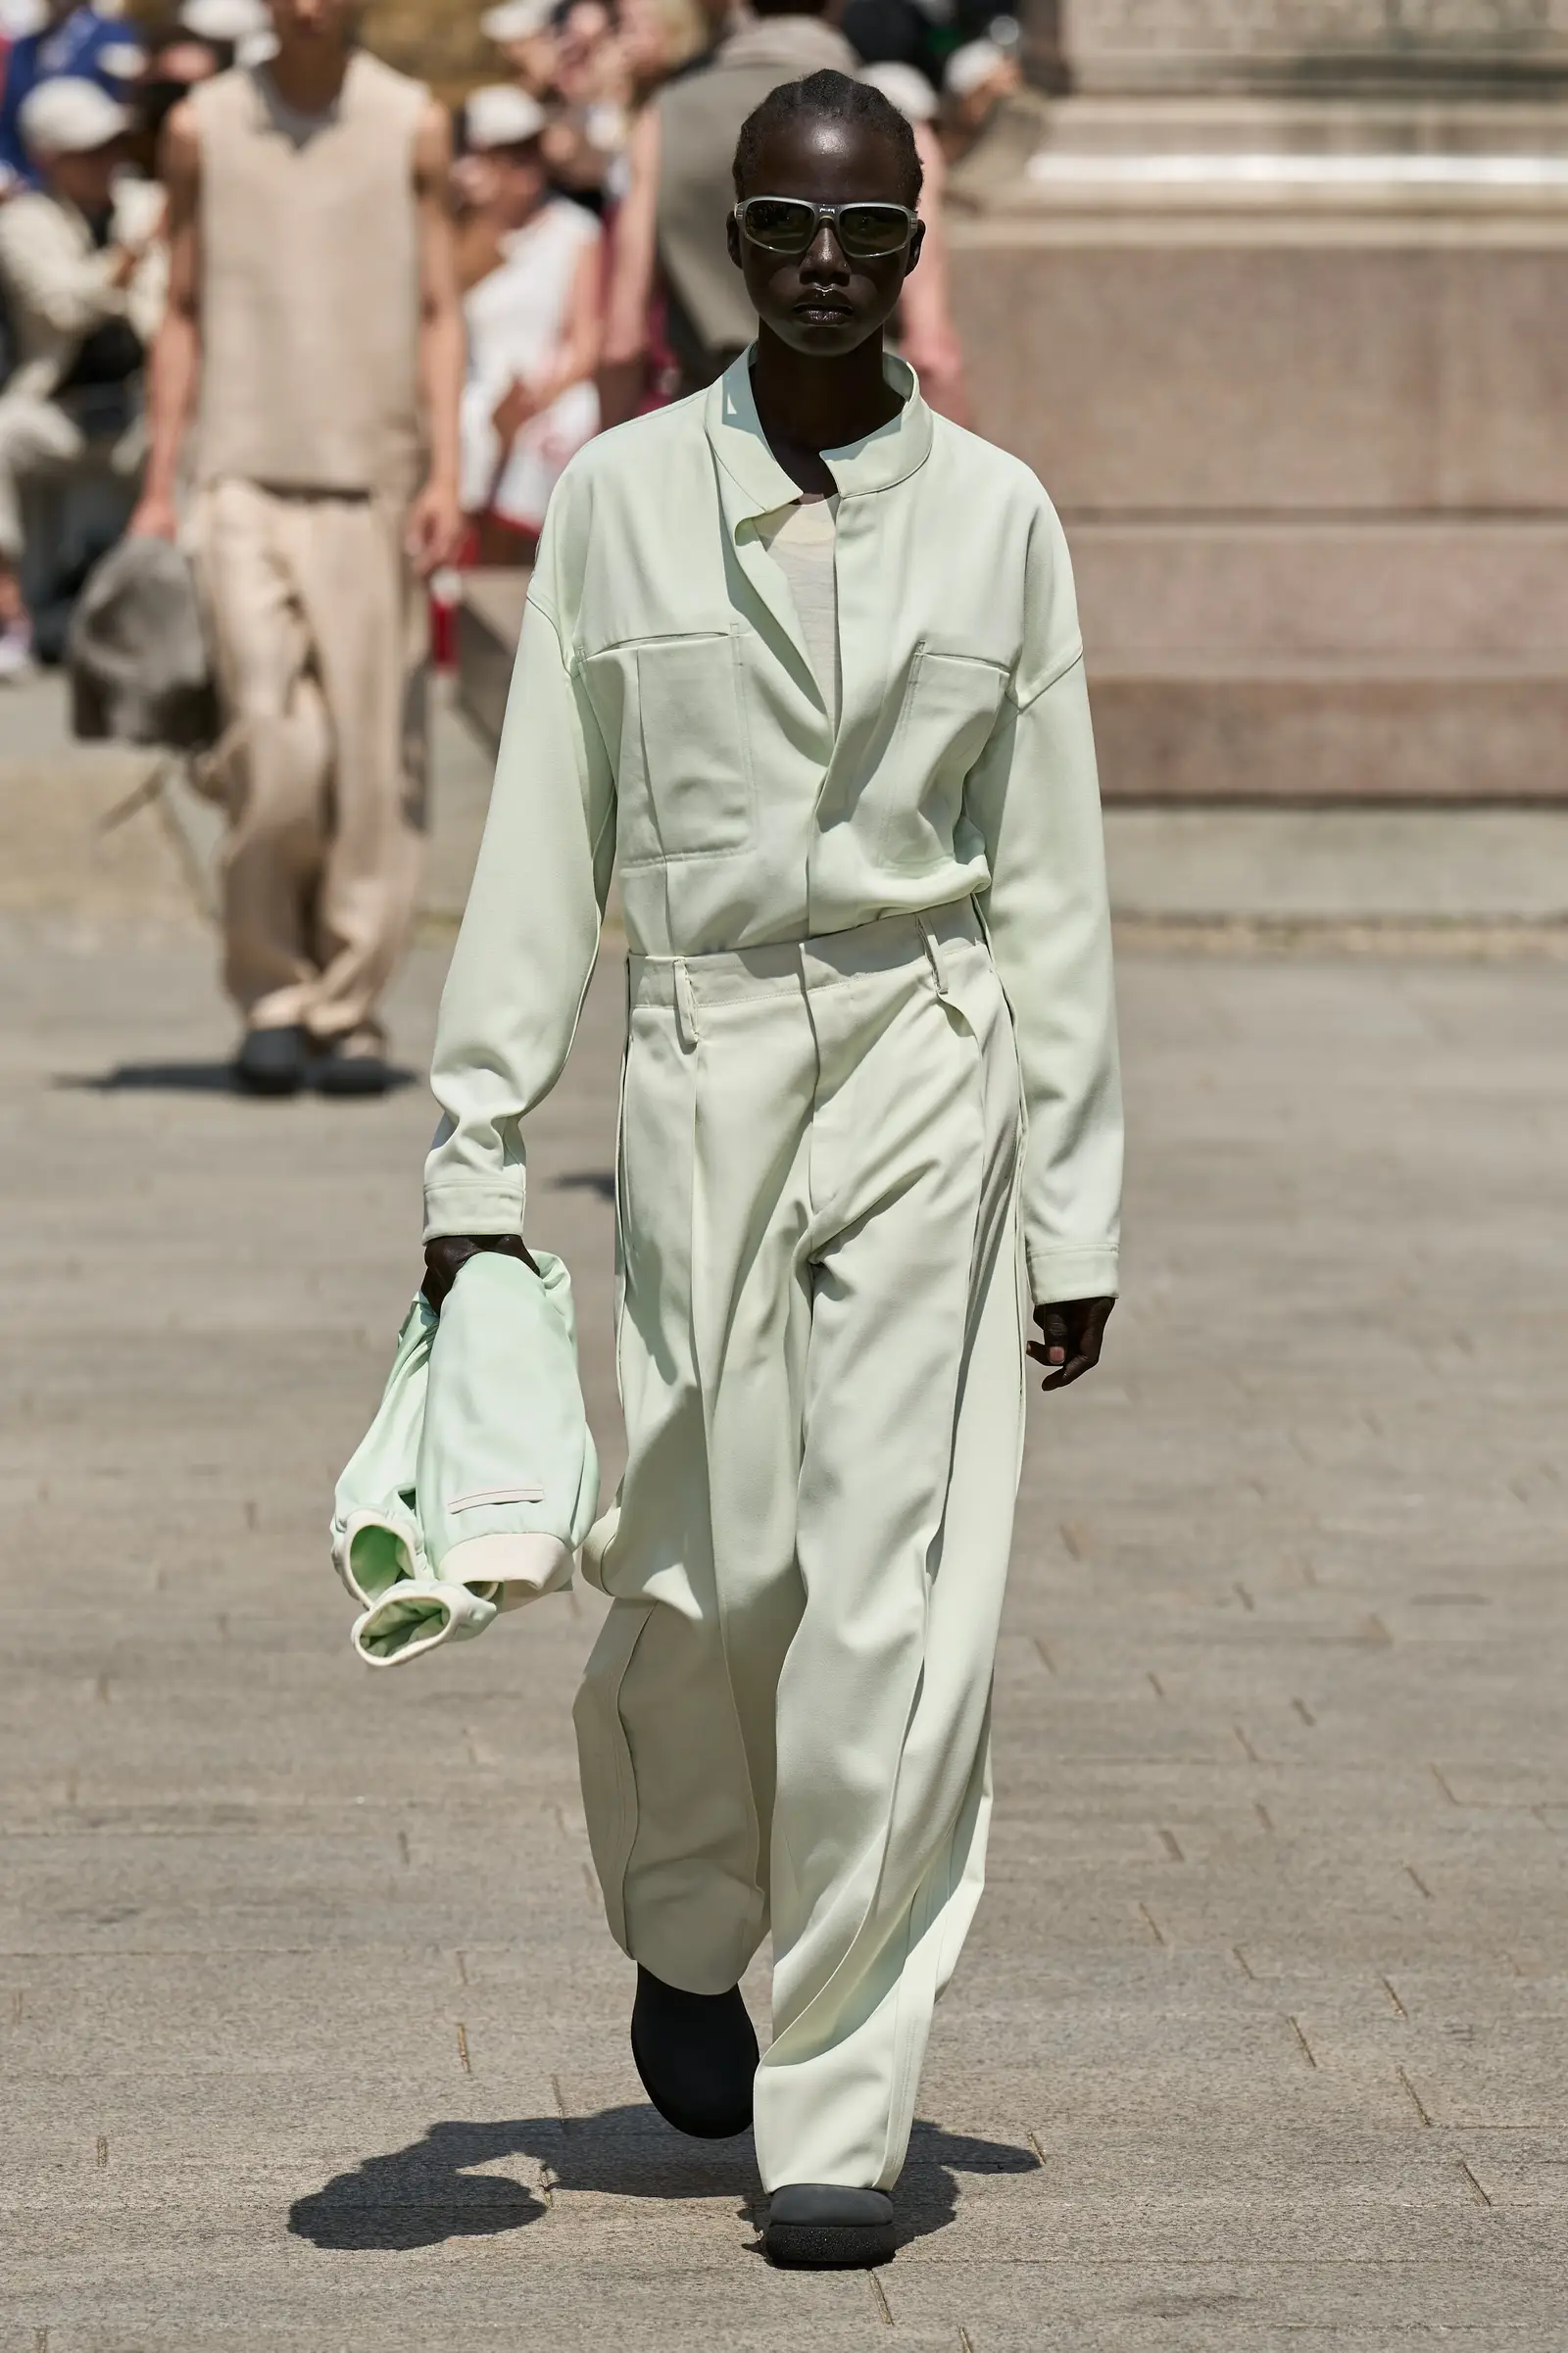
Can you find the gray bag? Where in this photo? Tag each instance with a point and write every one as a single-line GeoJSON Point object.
{"type": "Point", "coordinates": [136, 653]}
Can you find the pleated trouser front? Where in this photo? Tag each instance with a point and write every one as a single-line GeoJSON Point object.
{"type": "Point", "coordinates": [319, 629]}
{"type": "Point", "coordinates": [785, 1722]}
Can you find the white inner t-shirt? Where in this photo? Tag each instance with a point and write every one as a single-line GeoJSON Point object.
{"type": "Point", "coordinates": [801, 539]}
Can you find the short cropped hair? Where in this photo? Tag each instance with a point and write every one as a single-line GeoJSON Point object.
{"type": "Point", "coordinates": [828, 97]}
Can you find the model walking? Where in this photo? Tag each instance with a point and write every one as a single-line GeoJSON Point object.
{"type": "Point", "coordinates": [315, 329]}
{"type": "Point", "coordinates": [803, 659]}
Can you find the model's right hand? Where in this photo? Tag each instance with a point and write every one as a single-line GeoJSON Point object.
{"type": "Point", "coordinates": [446, 1258]}
{"type": "Point", "coordinates": [156, 518]}
{"type": "Point", "coordinates": [1072, 1334]}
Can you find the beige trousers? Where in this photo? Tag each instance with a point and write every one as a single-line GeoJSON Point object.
{"type": "Point", "coordinates": [785, 1722]}
{"type": "Point", "coordinates": [318, 631]}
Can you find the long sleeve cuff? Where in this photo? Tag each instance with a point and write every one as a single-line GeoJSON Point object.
{"type": "Point", "coordinates": [475, 1205]}
{"type": "Point", "coordinates": [1071, 1274]}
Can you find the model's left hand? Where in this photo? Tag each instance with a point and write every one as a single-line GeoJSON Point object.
{"type": "Point", "coordinates": [434, 531]}
{"type": "Point", "coordinates": [1074, 1331]}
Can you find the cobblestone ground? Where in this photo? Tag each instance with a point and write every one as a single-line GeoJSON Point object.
{"type": "Point", "coordinates": [311, 2032]}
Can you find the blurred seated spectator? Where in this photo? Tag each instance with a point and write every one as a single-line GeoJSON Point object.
{"type": "Point", "coordinates": [585, 145]}
{"type": "Point", "coordinates": [86, 44]}
{"type": "Point", "coordinates": [212, 35]}
{"type": "Point", "coordinates": [659, 37]}
{"type": "Point", "coordinates": [85, 275]}
{"type": "Point", "coordinates": [925, 332]}
{"type": "Point", "coordinates": [533, 320]}
{"type": "Point", "coordinates": [524, 33]}
{"type": "Point", "coordinates": [904, 32]}
{"type": "Point", "coordinates": [572, 58]}
{"type": "Point", "coordinates": [977, 79]}
{"type": "Point", "coordinates": [907, 88]}
{"type": "Point", "coordinates": [209, 37]}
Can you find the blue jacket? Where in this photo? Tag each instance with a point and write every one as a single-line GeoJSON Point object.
{"type": "Point", "coordinates": [78, 47]}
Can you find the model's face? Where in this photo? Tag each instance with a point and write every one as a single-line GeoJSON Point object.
{"type": "Point", "coordinates": [825, 301]}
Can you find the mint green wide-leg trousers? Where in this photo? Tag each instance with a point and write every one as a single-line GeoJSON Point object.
{"type": "Point", "coordinates": [784, 1724]}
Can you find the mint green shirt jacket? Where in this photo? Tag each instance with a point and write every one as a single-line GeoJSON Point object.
{"type": "Point", "coordinates": [664, 723]}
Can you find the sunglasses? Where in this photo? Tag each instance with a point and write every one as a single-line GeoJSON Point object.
{"type": "Point", "coordinates": [789, 225]}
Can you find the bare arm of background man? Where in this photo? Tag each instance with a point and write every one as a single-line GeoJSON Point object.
{"type": "Point", "coordinates": [624, 367]}
{"type": "Point", "coordinates": [435, 519]}
{"type": "Point", "coordinates": [176, 366]}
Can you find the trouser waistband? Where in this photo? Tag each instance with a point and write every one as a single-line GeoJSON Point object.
{"type": "Point", "coordinates": [732, 975]}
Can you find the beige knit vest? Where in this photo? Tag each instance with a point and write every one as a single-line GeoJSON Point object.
{"type": "Point", "coordinates": [310, 287]}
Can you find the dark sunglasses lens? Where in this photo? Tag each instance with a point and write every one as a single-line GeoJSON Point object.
{"type": "Point", "coordinates": [781, 223]}
{"type": "Point", "coordinates": [871, 229]}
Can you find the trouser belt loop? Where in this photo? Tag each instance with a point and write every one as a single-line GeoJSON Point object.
{"type": "Point", "coordinates": [933, 950]}
{"type": "Point", "coordinates": [685, 1005]}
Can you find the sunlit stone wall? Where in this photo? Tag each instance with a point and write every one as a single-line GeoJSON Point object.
{"type": "Point", "coordinates": [1303, 46]}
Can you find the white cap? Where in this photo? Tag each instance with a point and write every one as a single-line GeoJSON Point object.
{"type": "Point", "coordinates": [257, 48]}
{"type": "Point", "coordinates": [515, 20]}
{"type": "Point", "coordinates": [501, 116]}
{"type": "Point", "coordinates": [122, 61]}
{"type": "Point", "coordinates": [69, 116]}
{"type": "Point", "coordinates": [971, 65]}
{"type": "Point", "coordinates": [226, 20]}
{"type": "Point", "coordinates": [902, 86]}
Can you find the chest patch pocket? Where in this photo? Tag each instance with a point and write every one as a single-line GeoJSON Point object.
{"type": "Point", "coordinates": [685, 775]}
{"type": "Point", "coordinates": [950, 709]}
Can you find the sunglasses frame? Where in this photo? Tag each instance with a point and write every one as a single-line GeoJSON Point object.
{"type": "Point", "coordinates": [829, 212]}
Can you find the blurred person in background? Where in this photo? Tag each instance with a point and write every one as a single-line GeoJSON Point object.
{"type": "Point", "coordinates": [83, 275]}
{"type": "Point", "coordinates": [590, 122]}
{"type": "Point", "coordinates": [314, 329]}
{"type": "Point", "coordinates": [905, 32]}
{"type": "Point", "coordinates": [928, 33]}
{"type": "Point", "coordinates": [570, 60]}
{"type": "Point", "coordinates": [670, 231]}
{"type": "Point", "coordinates": [208, 37]}
{"type": "Point", "coordinates": [524, 33]}
{"type": "Point", "coordinates": [978, 78]}
{"type": "Point", "coordinates": [533, 320]}
{"type": "Point", "coordinates": [58, 38]}
{"type": "Point", "coordinates": [924, 330]}
{"type": "Point", "coordinates": [654, 40]}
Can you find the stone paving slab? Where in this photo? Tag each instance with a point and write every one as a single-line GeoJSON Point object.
{"type": "Point", "coordinates": [311, 2032]}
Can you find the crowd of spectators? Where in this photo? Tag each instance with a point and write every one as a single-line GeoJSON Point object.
{"type": "Point", "coordinates": [589, 192]}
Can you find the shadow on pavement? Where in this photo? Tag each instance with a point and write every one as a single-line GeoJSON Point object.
{"type": "Point", "coordinates": [419, 2195]}
{"type": "Point", "coordinates": [185, 1078]}
{"type": "Point", "coordinates": [587, 1180]}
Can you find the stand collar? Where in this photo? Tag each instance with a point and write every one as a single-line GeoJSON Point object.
{"type": "Point", "coordinates": [890, 455]}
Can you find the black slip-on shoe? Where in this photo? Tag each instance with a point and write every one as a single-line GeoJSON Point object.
{"type": "Point", "coordinates": [697, 2055]}
{"type": "Point", "coordinates": [273, 1061]}
{"type": "Point", "coordinates": [344, 1072]}
{"type": "Point", "coordinates": [823, 2227]}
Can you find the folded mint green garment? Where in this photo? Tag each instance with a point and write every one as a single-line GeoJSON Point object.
{"type": "Point", "coordinates": [477, 1479]}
